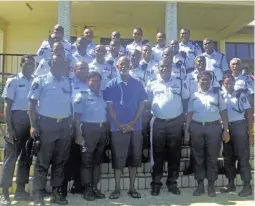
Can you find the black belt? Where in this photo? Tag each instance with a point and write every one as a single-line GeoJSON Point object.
{"type": "Point", "coordinates": [237, 122]}
{"type": "Point", "coordinates": [53, 119]}
{"type": "Point", "coordinates": [206, 123]}
{"type": "Point", "coordinates": [168, 120]}
{"type": "Point", "coordinates": [100, 124]}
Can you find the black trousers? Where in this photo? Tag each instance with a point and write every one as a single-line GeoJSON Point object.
{"type": "Point", "coordinates": [94, 135]}
{"type": "Point", "coordinates": [205, 145]}
{"type": "Point", "coordinates": [55, 145]}
{"type": "Point", "coordinates": [21, 126]}
{"type": "Point", "coordinates": [167, 139]}
{"type": "Point", "coordinates": [238, 148]}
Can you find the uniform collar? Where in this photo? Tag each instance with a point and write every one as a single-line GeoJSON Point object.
{"type": "Point", "coordinates": [213, 54]}
{"type": "Point", "coordinates": [77, 54]}
{"type": "Point", "coordinates": [95, 62]}
{"type": "Point", "coordinates": [158, 47]}
{"type": "Point", "coordinates": [21, 76]}
{"type": "Point", "coordinates": [137, 44]}
{"type": "Point", "coordinates": [144, 62]}
{"type": "Point", "coordinates": [119, 80]}
{"type": "Point", "coordinates": [90, 92]}
{"type": "Point", "coordinates": [208, 91]}
{"type": "Point", "coordinates": [239, 75]}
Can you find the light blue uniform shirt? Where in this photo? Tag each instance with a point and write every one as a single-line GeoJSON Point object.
{"type": "Point", "coordinates": [43, 68]}
{"type": "Point", "coordinates": [145, 72]}
{"type": "Point", "coordinates": [53, 96]}
{"type": "Point", "coordinates": [244, 82]}
{"type": "Point", "coordinates": [179, 66]}
{"type": "Point", "coordinates": [157, 52]}
{"type": "Point", "coordinates": [77, 87]}
{"type": "Point", "coordinates": [236, 106]}
{"type": "Point", "coordinates": [206, 106]}
{"type": "Point", "coordinates": [107, 71]}
{"type": "Point", "coordinates": [217, 63]}
{"type": "Point", "coordinates": [192, 49]}
{"type": "Point", "coordinates": [166, 97]}
{"type": "Point", "coordinates": [91, 107]}
{"type": "Point", "coordinates": [17, 88]}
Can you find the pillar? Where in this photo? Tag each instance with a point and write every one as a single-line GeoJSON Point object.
{"type": "Point", "coordinates": [64, 17]}
{"type": "Point", "coordinates": [171, 27]}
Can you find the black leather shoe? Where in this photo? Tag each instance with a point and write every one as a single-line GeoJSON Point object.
{"type": "Point", "coordinates": [39, 199]}
{"type": "Point", "coordinates": [230, 188]}
{"type": "Point", "coordinates": [22, 196]}
{"type": "Point", "coordinates": [174, 189]}
{"type": "Point", "coordinates": [98, 194]}
{"type": "Point", "coordinates": [88, 193]}
{"type": "Point", "coordinates": [246, 191]}
{"type": "Point", "coordinates": [58, 196]}
{"type": "Point", "coordinates": [211, 190]}
{"type": "Point", "coordinates": [200, 190]}
{"type": "Point", "coordinates": [155, 191]}
{"type": "Point", "coordinates": [5, 200]}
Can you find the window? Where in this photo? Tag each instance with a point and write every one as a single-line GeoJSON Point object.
{"type": "Point", "coordinates": [244, 51]}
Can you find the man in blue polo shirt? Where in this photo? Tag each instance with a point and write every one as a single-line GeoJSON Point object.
{"type": "Point", "coordinates": [125, 98]}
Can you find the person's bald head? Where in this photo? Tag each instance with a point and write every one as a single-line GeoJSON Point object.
{"type": "Point", "coordinates": [100, 52]}
{"type": "Point", "coordinates": [115, 35]}
{"type": "Point", "coordinates": [167, 53]}
{"type": "Point", "coordinates": [174, 46]}
{"type": "Point", "coordinates": [81, 70]}
{"type": "Point", "coordinates": [88, 34]}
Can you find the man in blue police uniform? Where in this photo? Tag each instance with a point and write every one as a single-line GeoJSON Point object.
{"type": "Point", "coordinates": [88, 34]}
{"type": "Point", "coordinates": [159, 48]}
{"type": "Point", "coordinates": [215, 61]}
{"type": "Point", "coordinates": [90, 120]}
{"type": "Point", "coordinates": [44, 65]}
{"type": "Point", "coordinates": [191, 48]}
{"type": "Point", "coordinates": [73, 165]}
{"type": "Point", "coordinates": [80, 55]}
{"type": "Point", "coordinates": [137, 43]}
{"type": "Point", "coordinates": [45, 49]}
{"type": "Point", "coordinates": [113, 53]}
{"type": "Point", "coordinates": [167, 95]}
{"type": "Point", "coordinates": [99, 65]}
{"type": "Point", "coordinates": [243, 82]}
{"type": "Point", "coordinates": [125, 97]}
{"type": "Point", "coordinates": [238, 147]}
{"type": "Point", "coordinates": [50, 121]}
{"type": "Point", "coordinates": [18, 125]}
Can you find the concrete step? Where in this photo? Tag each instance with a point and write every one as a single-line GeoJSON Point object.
{"type": "Point", "coordinates": [142, 182]}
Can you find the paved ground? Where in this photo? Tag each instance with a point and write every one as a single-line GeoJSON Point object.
{"type": "Point", "coordinates": [165, 199]}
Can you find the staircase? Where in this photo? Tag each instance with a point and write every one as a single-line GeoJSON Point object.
{"type": "Point", "coordinates": [143, 178]}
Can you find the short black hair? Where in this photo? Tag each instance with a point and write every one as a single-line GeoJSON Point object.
{"type": "Point", "coordinates": [229, 76]}
{"type": "Point", "coordinates": [204, 73]}
{"type": "Point", "coordinates": [27, 56]}
{"type": "Point", "coordinates": [94, 74]}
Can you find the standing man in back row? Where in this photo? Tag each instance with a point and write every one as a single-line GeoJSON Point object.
{"type": "Point", "coordinates": [191, 49]}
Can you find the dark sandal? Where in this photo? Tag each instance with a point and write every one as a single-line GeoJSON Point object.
{"type": "Point", "coordinates": [115, 195]}
{"type": "Point", "coordinates": [134, 194]}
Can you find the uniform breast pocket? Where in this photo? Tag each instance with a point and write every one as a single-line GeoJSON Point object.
{"type": "Point", "coordinates": [22, 92]}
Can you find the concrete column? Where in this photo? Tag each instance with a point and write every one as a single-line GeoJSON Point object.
{"type": "Point", "coordinates": [64, 17]}
{"type": "Point", "coordinates": [171, 27]}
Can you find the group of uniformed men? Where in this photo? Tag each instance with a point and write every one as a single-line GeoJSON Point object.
{"type": "Point", "coordinates": [80, 92]}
